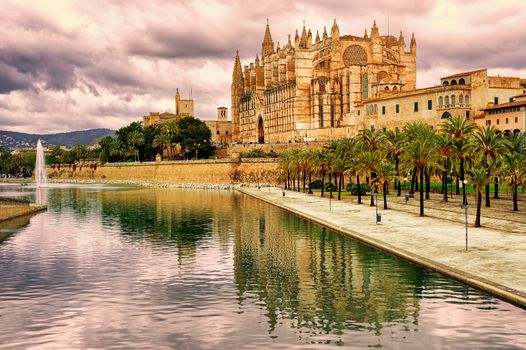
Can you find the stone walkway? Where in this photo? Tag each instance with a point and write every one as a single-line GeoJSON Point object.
{"type": "Point", "coordinates": [495, 260]}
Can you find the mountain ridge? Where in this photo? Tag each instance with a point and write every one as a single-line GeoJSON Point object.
{"type": "Point", "coordinates": [13, 139]}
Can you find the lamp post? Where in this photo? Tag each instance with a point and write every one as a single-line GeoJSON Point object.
{"type": "Point", "coordinates": [465, 205]}
{"type": "Point", "coordinates": [330, 194]}
{"type": "Point", "coordinates": [378, 216]}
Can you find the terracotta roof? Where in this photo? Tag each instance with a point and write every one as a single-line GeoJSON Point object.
{"type": "Point", "coordinates": [504, 105]}
{"type": "Point", "coordinates": [521, 95]}
{"type": "Point", "coordinates": [463, 74]}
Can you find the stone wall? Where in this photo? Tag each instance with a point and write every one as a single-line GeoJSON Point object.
{"type": "Point", "coordinates": [183, 172]}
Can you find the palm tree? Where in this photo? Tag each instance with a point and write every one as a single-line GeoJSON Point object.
{"type": "Point", "coordinates": [161, 142]}
{"type": "Point", "coordinates": [491, 147]}
{"type": "Point", "coordinates": [116, 148]}
{"type": "Point", "coordinates": [515, 171]}
{"type": "Point", "coordinates": [321, 165]}
{"type": "Point", "coordinates": [394, 149]}
{"type": "Point", "coordinates": [384, 175]}
{"type": "Point", "coordinates": [479, 177]}
{"type": "Point", "coordinates": [370, 162]}
{"type": "Point", "coordinates": [421, 154]}
{"type": "Point", "coordinates": [460, 130]}
{"type": "Point", "coordinates": [136, 139]}
{"type": "Point", "coordinates": [445, 151]}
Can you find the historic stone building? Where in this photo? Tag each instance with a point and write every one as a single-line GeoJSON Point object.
{"type": "Point", "coordinates": [308, 89]}
{"type": "Point", "coordinates": [470, 94]}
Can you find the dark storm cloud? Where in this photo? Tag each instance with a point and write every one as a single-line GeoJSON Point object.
{"type": "Point", "coordinates": [11, 79]}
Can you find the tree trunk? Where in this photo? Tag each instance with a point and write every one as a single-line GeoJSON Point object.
{"type": "Point", "coordinates": [457, 189]}
{"type": "Point", "coordinates": [428, 182]}
{"type": "Point", "coordinates": [479, 204]}
{"type": "Point", "coordinates": [487, 190]}
{"type": "Point", "coordinates": [304, 179]}
{"type": "Point", "coordinates": [359, 189]}
{"type": "Point", "coordinates": [322, 182]}
{"type": "Point", "coordinates": [340, 186]}
{"type": "Point", "coordinates": [444, 181]}
{"type": "Point", "coordinates": [496, 193]}
{"type": "Point", "coordinates": [310, 182]}
{"type": "Point", "coordinates": [515, 198]}
{"type": "Point", "coordinates": [385, 195]}
{"type": "Point", "coordinates": [399, 192]}
{"type": "Point", "coordinates": [330, 185]}
{"type": "Point", "coordinates": [422, 192]}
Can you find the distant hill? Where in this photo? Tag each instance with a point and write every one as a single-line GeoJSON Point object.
{"type": "Point", "coordinates": [13, 140]}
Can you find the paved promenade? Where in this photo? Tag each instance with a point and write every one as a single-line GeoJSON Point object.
{"type": "Point", "coordinates": [495, 260]}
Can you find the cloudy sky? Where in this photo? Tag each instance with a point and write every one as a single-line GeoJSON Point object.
{"type": "Point", "coordinates": [67, 65]}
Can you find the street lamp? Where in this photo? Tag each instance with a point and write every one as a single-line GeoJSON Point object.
{"type": "Point", "coordinates": [378, 216]}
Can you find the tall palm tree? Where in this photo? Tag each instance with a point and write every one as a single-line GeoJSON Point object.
{"type": "Point", "coordinates": [161, 142]}
{"type": "Point", "coordinates": [421, 154]}
{"type": "Point", "coordinates": [460, 131]}
{"type": "Point", "coordinates": [116, 148]}
{"type": "Point", "coordinates": [515, 172]}
{"type": "Point", "coordinates": [444, 144]}
{"type": "Point", "coordinates": [478, 175]}
{"type": "Point", "coordinates": [394, 149]}
{"type": "Point", "coordinates": [370, 162]}
{"type": "Point", "coordinates": [321, 166]}
{"type": "Point", "coordinates": [490, 145]}
{"type": "Point", "coordinates": [136, 139]}
{"type": "Point", "coordinates": [385, 172]}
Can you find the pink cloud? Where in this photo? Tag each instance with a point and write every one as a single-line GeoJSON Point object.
{"type": "Point", "coordinates": [74, 65]}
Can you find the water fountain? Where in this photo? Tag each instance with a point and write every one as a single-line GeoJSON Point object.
{"type": "Point", "coordinates": [40, 166]}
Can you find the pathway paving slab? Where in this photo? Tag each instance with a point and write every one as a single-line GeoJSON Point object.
{"type": "Point", "coordinates": [495, 260]}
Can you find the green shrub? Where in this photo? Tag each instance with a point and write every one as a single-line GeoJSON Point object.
{"type": "Point", "coordinates": [254, 153]}
{"type": "Point", "coordinates": [315, 185]}
{"type": "Point", "coordinates": [328, 186]}
{"type": "Point", "coordinates": [353, 188]}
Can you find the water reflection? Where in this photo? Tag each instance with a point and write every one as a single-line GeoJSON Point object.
{"type": "Point", "coordinates": [143, 268]}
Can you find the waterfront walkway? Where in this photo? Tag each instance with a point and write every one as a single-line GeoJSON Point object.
{"type": "Point", "coordinates": [495, 260]}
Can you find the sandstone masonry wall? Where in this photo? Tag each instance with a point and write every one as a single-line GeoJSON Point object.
{"type": "Point", "coordinates": [183, 172]}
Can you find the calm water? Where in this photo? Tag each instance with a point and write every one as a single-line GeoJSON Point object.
{"type": "Point", "coordinates": [125, 268]}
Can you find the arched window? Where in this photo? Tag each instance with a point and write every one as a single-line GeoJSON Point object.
{"type": "Point", "coordinates": [453, 100]}
{"type": "Point", "coordinates": [447, 101]}
{"type": "Point", "coordinates": [466, 100]}
{"type": "Point", "coordinates": [461, 99]}
{"type": "Point", "coordinates": [386, 88]}
{"type": "Point", "coordinates": [446, 115]}
{"type": "Point", "coordinates": [440, 102]}
{"type": "Point", "coordinates": [445, 83]}
{"type": "Point", "coordinates": [453, 82]}
{"type": "Point", "coordinates": [461, 81]}
{"type": "Point", "coordinates": [365, 86]}
{"type": "Point", "coordinates": [395, 88]}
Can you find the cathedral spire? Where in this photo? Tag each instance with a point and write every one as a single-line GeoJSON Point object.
{"type": "Point", "coordinates": [267, 47]}
{"type": "Point", "coordinates": [317, 37]}
{"type": "Point", "coordinates": [303, 39]}
{"type": "Point", "coordinates": [257, 60]}
{"type": "Point", "coordinates": [335, 31]}
{"type": "Point", "coordinates": [237, 74]}
{"type": "Point", "coordinates": [365, 36]}
{"type": "Point", "coordinates": [413, 43]}
{"type": "Point", "coordinates": [374, 31]}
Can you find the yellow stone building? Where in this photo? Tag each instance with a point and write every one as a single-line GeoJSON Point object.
{"type": "Point", "coordinates": [335, 86]}
{"type": "Point", "coordinates": [308, 90]}
{"type": "Point", "coordinates": [506, 117]}
{"type": "Point", "coordinates": [221, 128]}
{"type": "Point", "coordinates": [183, 108]}
{"type": "Point", "coordinates": [465, 94]}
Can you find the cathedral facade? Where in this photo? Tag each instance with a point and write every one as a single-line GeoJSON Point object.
{"type": "Point", "coordinates": [307, 90]}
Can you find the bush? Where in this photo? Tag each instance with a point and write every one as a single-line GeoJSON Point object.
{"type": "Point", "coordinates": [328, 186]}
{"type": "Point", "coordinates": [315, 185]}
{"type": "Point", "coordinates": [254, 153]}
{"type": "Point", "coordinates": [353, 188]}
